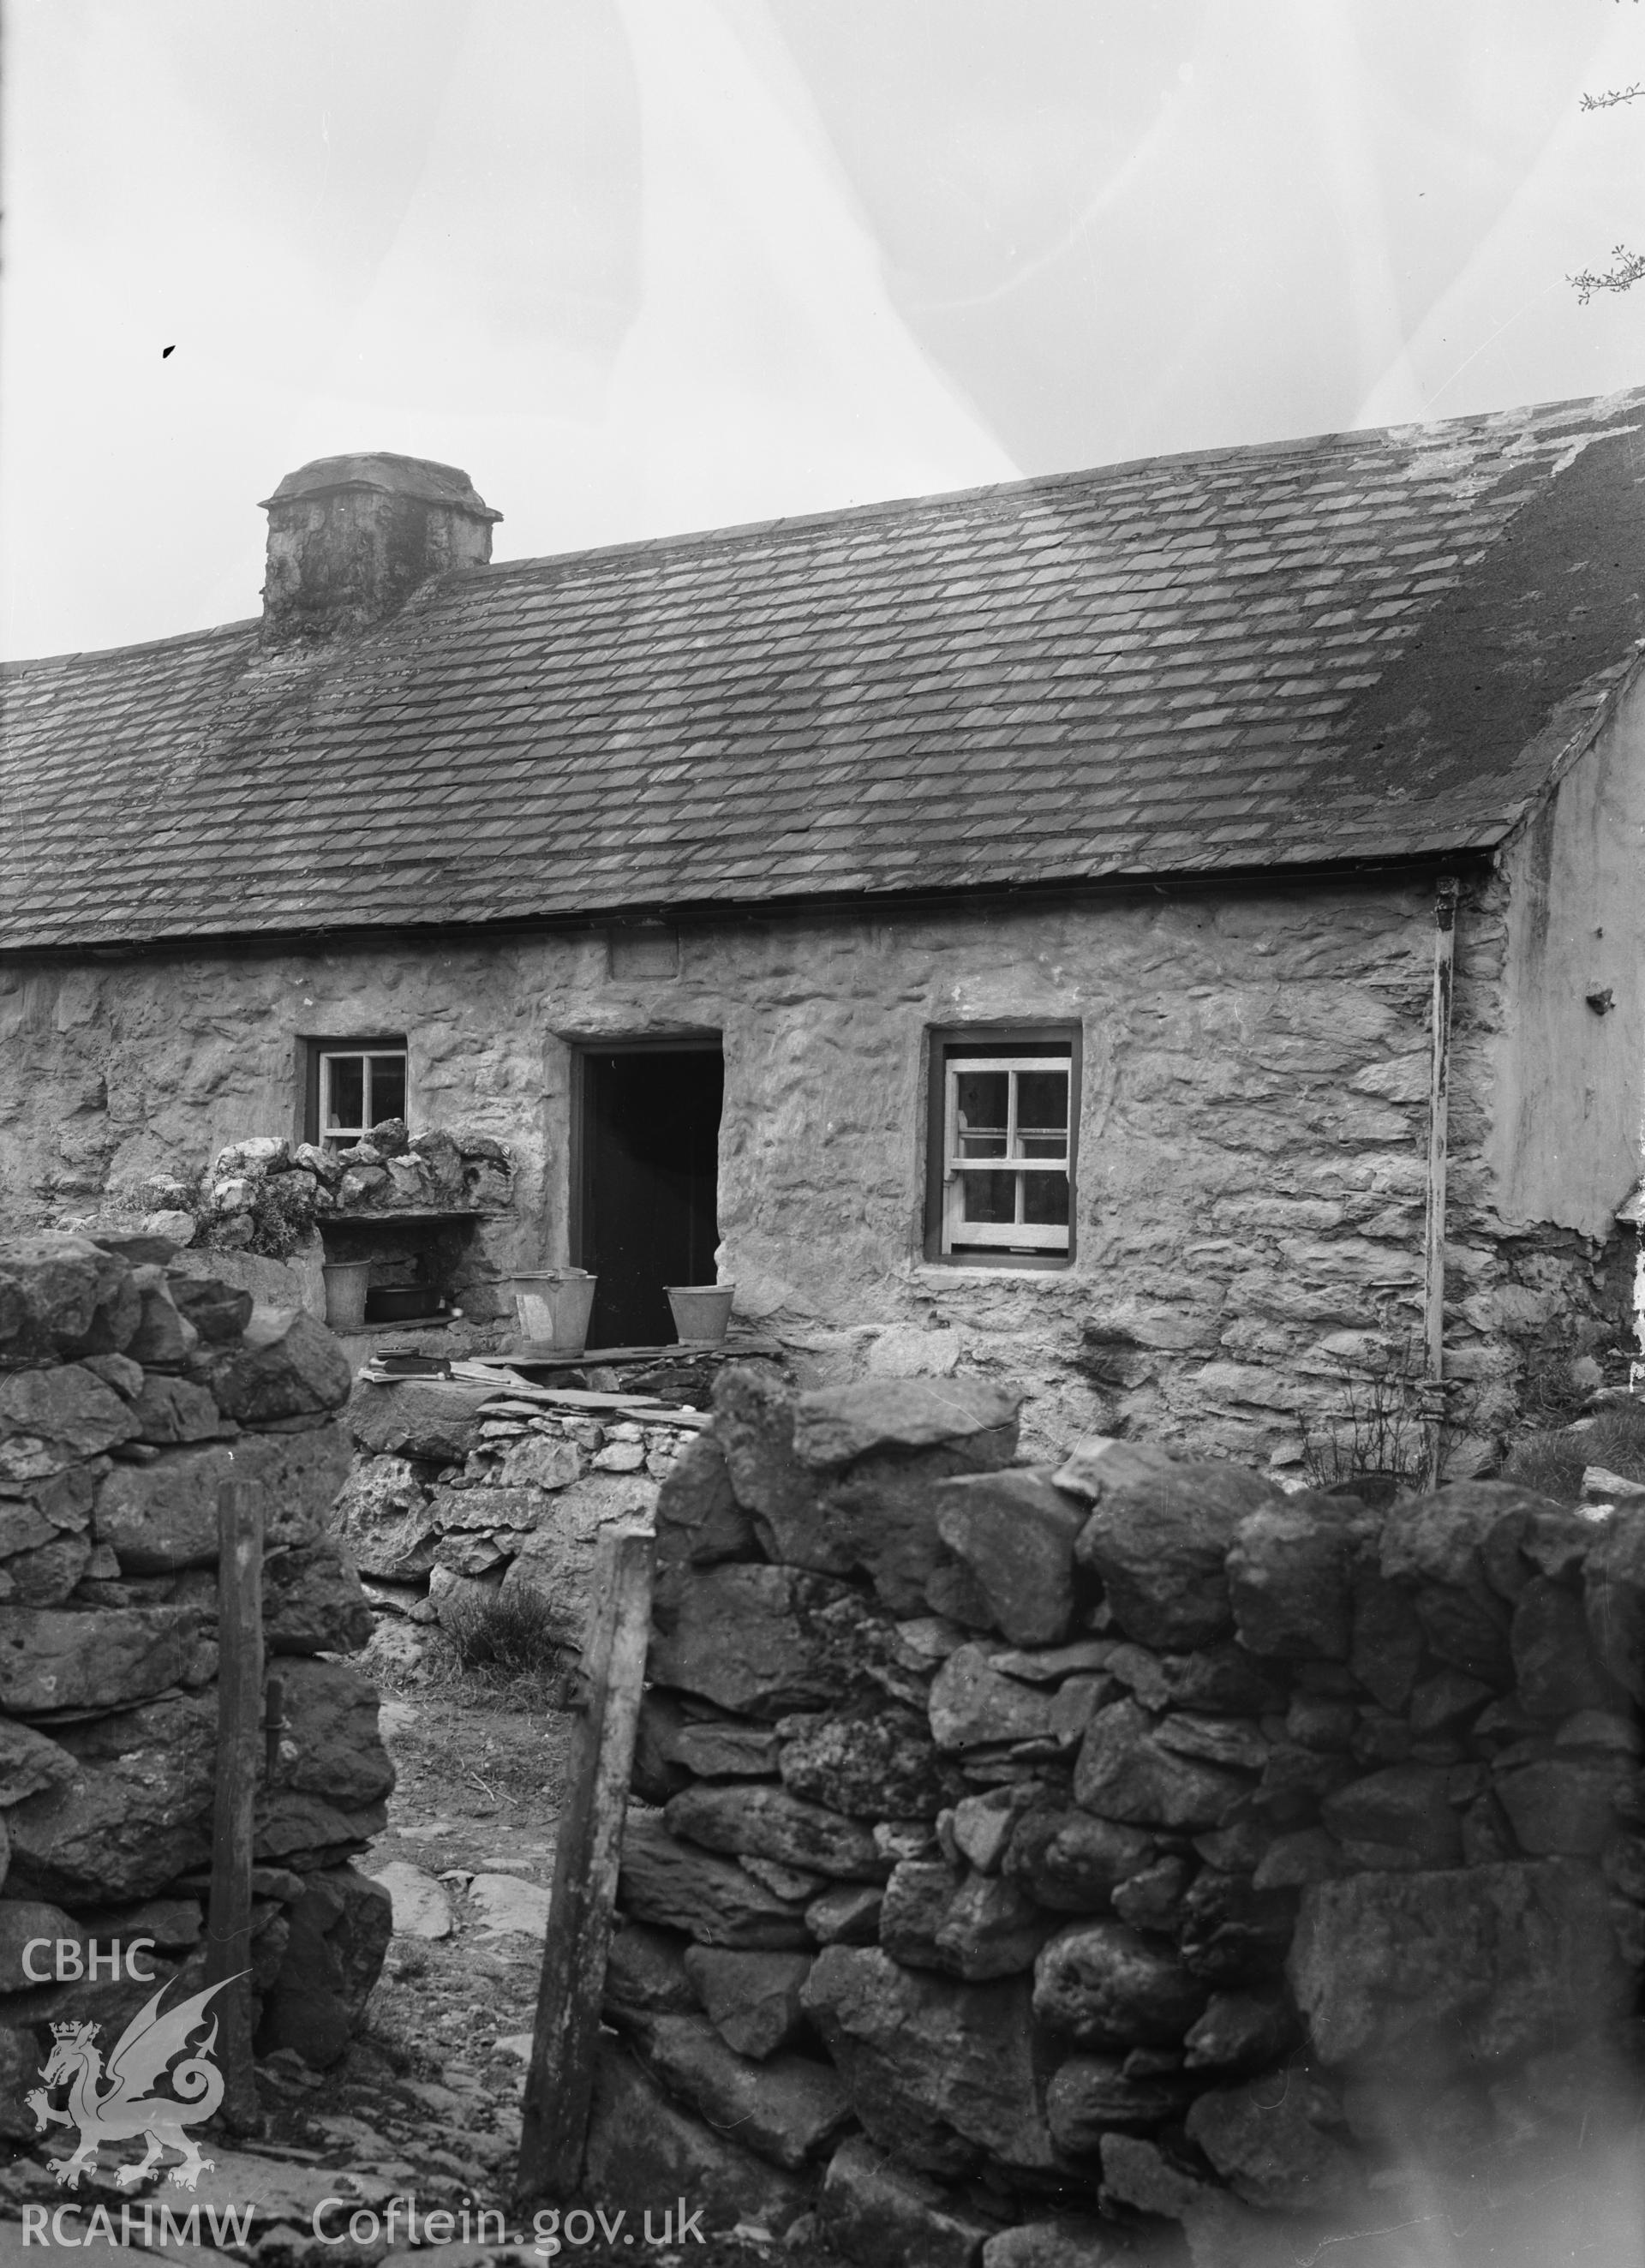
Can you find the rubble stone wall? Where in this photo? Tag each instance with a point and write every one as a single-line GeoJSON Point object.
{"type": "Point", "coordinates": [460, 1493]}
{"type": "Point", "coordinates": [1119, 1860]}
{"type": "Point", "coordinates": [129, 1393]}
{"type": "Point", "coordinates": [1252, 1176]}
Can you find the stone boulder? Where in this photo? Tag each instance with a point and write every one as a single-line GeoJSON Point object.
{"type": "Point", "coordinates": [961, 1922]}
{"type": "Point", "coordinates": [332, 1745]}
{"type": "Point", "coordinates": [1103, 1465]}
{"type": "Point", "coordinates": [973, 1705]}
{"type": "Point", "coordinates": [836, 1424]}
{"type": "Point", "coordinates": [1502, 1958]}
{"type": "Point", "coordinates": [678, 1886]}
{"type": "Point", "coordinates": [1228, 1930]}
{"type": "Point", "coordinates": [340, 1930]}
{"type": "Point", "coordinates": [646, 1973]}
{"type": "Point", "coordinates": [69, 1658]}
{"type": "Point", "coordinates": [557, 1561]}
{"type": "Point", "coordinates": [1290, 1570]}
{"type": "Point", "coordinates": [160, 1517]}
{"type": "Point", "coordinates": [699, 1520]}
{"type": "Point", "coordinates": [1159, 1543]}
{"type": "Point", "coordinates": [1015, 1533]}
{"type": "Point", "coordinates": [1073, 1862]}
{"type": "Point", "coordinates": [312, 1602]}
{"type": "Point", "coordinates": [384, 1514]}
{"type": "Point", "coordinates": [29, 1762]}
{"type": "Point", "coordinates": [752, 1999]}
{"type": "Point", "coordinates": [23, 1923]}
{"type": "Point", "coordinates": [1070, 2241]}
{"type": "Point", "coordinates": [287, 1365]}
{"type": "Point", "coordinates": [788, 2108]}
{"type": "Point", "coordinates": [1455, 1553]}
{"type": "Point", "coordinates": [1130, 1771]}
{"type": "Point", "coordinates": [1279, 2156]}
{"type": "Point", "coordinates": [753, 1423]}
{"type": "Point", "coordinates": [436, 1419]}
{"type": "Point", "coordinates": [51, 1418]}
{"type": "Point", "coordinates": [645, 2150]}
{"type": "Point", "coordinates": [1614, 1590]}
{"type": "Point", "coordinates": [169, 1409]}
{"type": "Point", "coordinates": [755, 1639]}
{"type": "Point", "coordinates": [1554, 1671]}
{"type": "Point", "coordinates": [939, 2073]}
{"type": "Point", "coordinates": [753, 1819]}
{"type": "Point", "coordinates": [1091, 2095]}
{"type": "Point", "coordinates": [1405, 1808]}
{"type": "Point", "coordinates": [135, 1813]}
{"type": "Point", "coordinates": [1564, 1804]}
{"type": "Point", "coordinates": [1101, 1985]}
{"type": "Point", "coordinates": [878, 1516]}
{"type": "Point", "coordinates": [64, 1295]}
{"type": "Point", "coordinates": [874, 1761]}
{"type": "Point", "coordinates": [1241, 2030]}
{"type": "Point", "coordinates": [164, 1338]}
{"type": "Point", "coordinates": [675, 1744]}
{"type": "Point", "coordinates": [216, 1304]}
{"type": "Point", "coordinates": [881, 2215]}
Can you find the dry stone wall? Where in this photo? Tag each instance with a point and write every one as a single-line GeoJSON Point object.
{"type": "Point", "coordinates": [129, 1393]}
{"type": "Point", "coordinates": [462, 1493]}
{"type": "Point", "coordinates": [1121, 1860]}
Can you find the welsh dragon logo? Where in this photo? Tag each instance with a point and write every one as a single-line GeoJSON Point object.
{"type": "Point", "coordinates": [140, 2056]}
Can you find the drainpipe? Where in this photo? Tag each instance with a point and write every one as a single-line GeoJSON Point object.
{"type": "Point", "coordinates": [1438, 1114]}
{"type": "Point", "coordinates": [1632, 1215]}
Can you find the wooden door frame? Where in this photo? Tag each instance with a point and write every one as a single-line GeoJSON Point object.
{"type": "Point", "coordinates": [704, 1042]}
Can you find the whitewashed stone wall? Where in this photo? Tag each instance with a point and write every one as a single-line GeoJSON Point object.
{"type": "Point", "coordinates": [1253, 1128]}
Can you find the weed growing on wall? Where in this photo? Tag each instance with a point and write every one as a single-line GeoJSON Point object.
{"type": "Point", "coordinates": [1376, 1442]}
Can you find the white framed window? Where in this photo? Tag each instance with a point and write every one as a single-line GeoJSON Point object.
{"type": "Point", "coordinates": [1002, 1145]}
{"type": "Point", "coordinates": [354, 1085]}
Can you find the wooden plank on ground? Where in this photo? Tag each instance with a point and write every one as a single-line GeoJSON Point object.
{"type": "Point", "coordinates": [239, 1753]}
{"type": "Point", "coordinates": [559, 2084]}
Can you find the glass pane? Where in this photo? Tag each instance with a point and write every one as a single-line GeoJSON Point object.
{"type": "Point", "coordinates": [983, 1098]}
{"type": "Point", "coordinates": [1046, 1199]}
{"type": "Point", "coordinates": [1042, 1146]}
{"type": "Point", "coordinates": [988, 1196]}
{"type": "Point", "coordinates": [983, 1146]}
{"type": "Point", "coordinates": [345, 1091]}
{"type": "Point", "coordinates": [388, 1088]}
{"type": "Point", "coordinates": [1042, 1101]}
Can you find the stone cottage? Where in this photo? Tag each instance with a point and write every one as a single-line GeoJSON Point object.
{"type": "Point", "coordinates": [1169, 934]}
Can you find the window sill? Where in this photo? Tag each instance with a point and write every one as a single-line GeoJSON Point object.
{"type": "Point", "coordinates": [1018, 1264]}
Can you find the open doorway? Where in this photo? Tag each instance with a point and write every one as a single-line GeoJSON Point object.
{"type": "Point", "coordinates": [648, 1127]}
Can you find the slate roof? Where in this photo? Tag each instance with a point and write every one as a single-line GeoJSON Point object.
{"type": "Point", "coordinates": [1366, 647]}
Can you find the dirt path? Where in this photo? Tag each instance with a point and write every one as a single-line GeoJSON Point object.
{"type": "Point", "coordinates": [426, 2103]}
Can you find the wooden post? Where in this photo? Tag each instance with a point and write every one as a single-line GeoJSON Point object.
{"type": "Point", "coordinates": [239, 1753]}
{"type": "Point", "coordinates": [559, 2084]}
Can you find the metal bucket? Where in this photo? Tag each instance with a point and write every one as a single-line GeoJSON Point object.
{"type": "Point", "coordinates": [346, 1281]}
{"type": "Point", "coordinates": [553, 1308]}
{"type": "Point", "coordinates": [701, 1312]}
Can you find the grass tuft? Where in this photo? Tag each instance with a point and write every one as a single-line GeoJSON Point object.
{"type": "Point", "coordinates": [507, 1644]}
{"type": "Point", "coordinates": [1554, 1462]}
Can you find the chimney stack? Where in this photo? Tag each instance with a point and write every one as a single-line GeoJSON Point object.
{"type": "Point", "coordinates": [351, 538]}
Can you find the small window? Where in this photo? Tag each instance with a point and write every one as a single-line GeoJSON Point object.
{"type": "Point", "coordinates": [353, 1085]}
{"type": "Point", "coordinates": [1001, 1146]}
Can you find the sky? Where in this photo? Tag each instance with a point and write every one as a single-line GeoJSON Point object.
{"type": "Point", "coordinates": [645, 266]}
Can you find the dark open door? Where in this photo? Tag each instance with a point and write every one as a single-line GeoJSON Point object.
{"type": "Point", "coordinates": [648, 1173]}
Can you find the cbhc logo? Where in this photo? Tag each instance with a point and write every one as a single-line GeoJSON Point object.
{"type": "Point", "coordinates": [75, 1961]}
